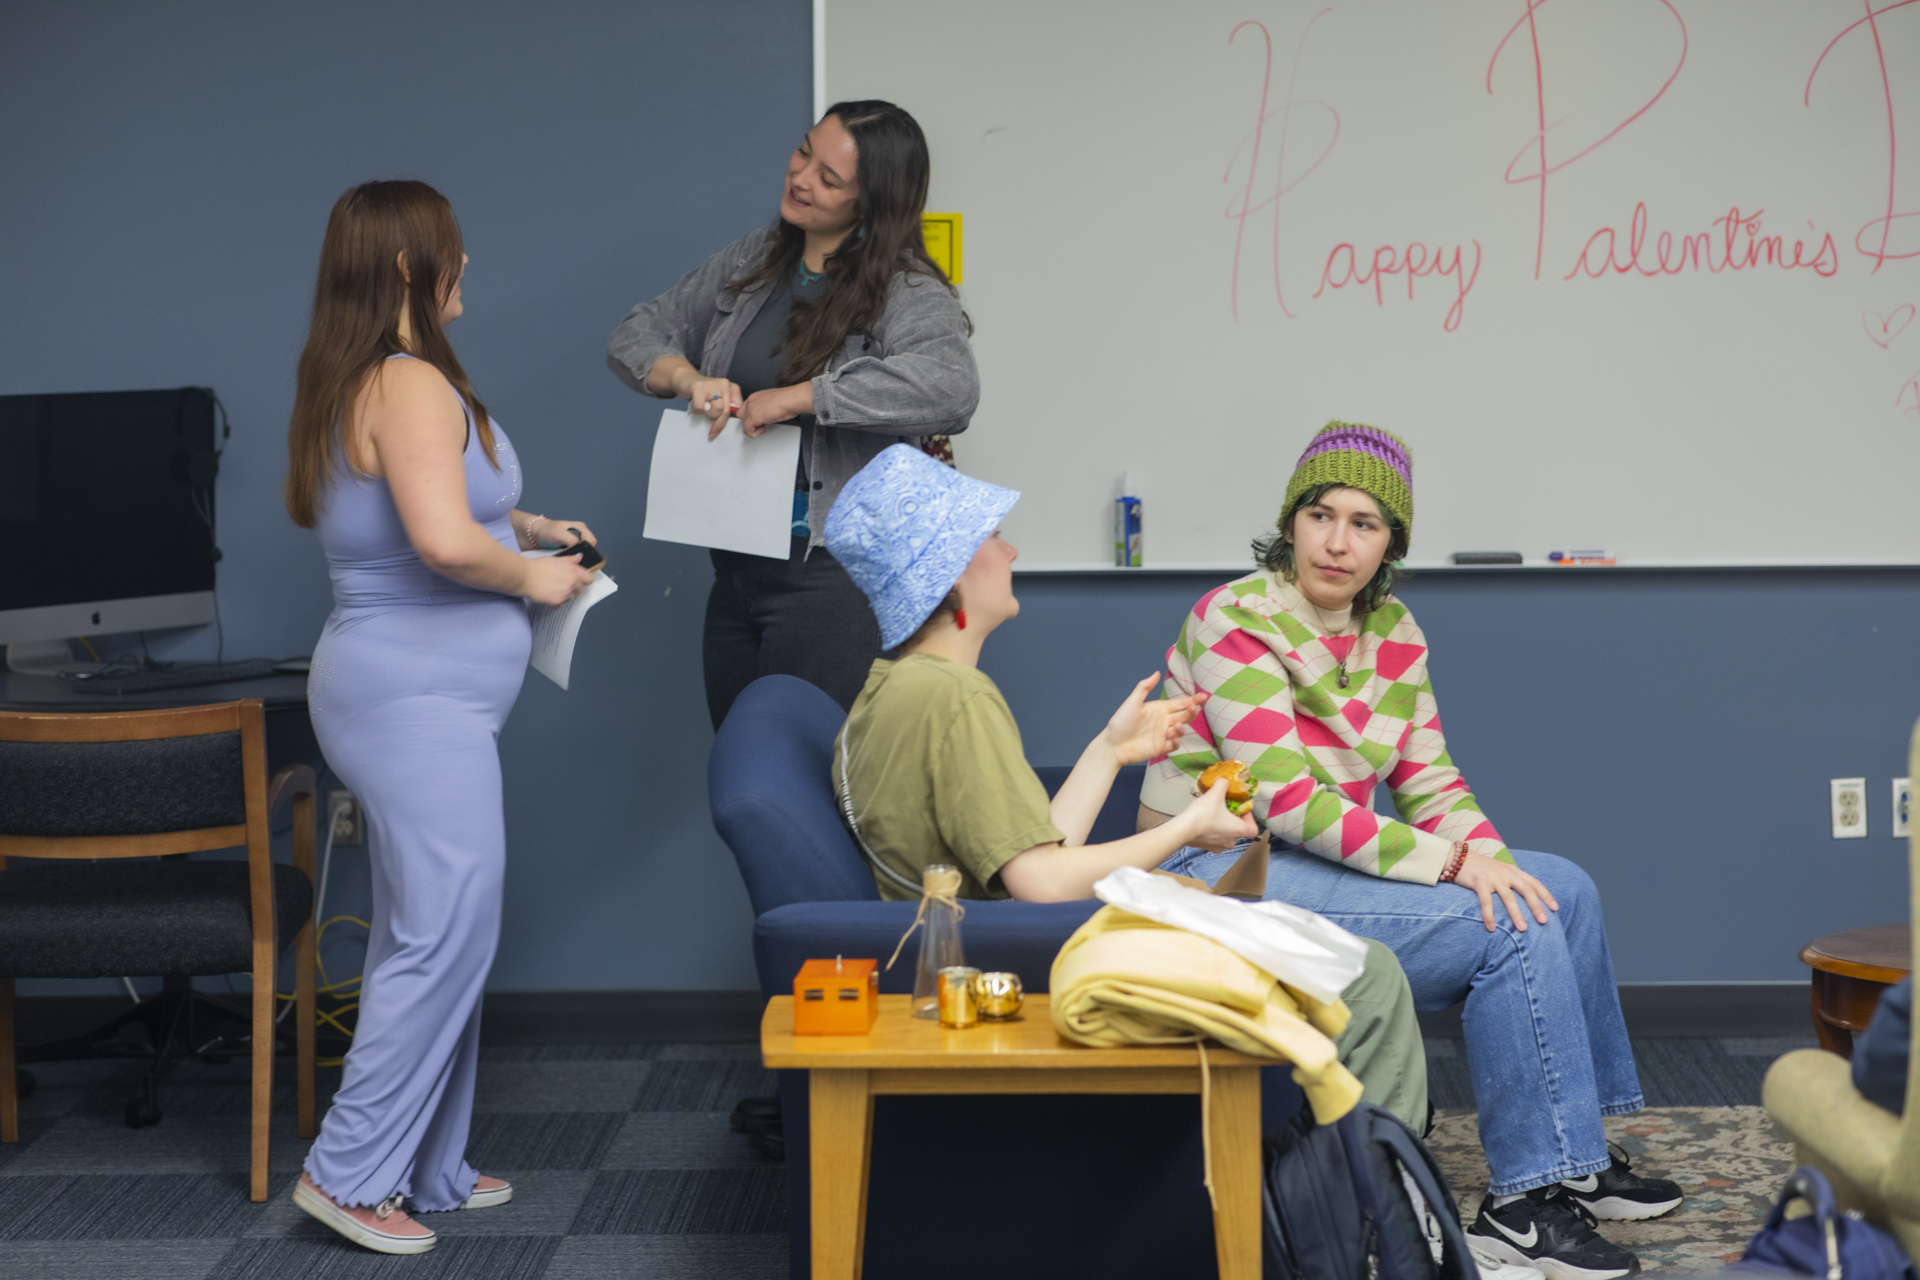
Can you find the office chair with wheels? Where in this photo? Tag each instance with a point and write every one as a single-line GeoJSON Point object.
{"type": "Point", "coordinates": [105, 806]}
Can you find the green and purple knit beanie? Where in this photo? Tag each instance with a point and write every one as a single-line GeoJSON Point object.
{"type": "Point", "coordinates": [1366, 458]}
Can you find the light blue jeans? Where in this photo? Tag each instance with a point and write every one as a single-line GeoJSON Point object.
{"type": "Point", "coordinates": [1546, 1044]}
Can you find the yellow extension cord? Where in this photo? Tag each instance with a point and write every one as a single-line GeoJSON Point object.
{"type": "Point", "coordinates": [326, 987]}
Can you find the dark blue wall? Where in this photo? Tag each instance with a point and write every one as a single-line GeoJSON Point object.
{"type": "Point", "coordinates": [1673, 732]}
{"type": "Point", "coordinates": [165, 175]}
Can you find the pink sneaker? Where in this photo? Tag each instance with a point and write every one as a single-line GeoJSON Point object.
{"type": "Point", "coordinates": [488, 1192]}
{"type": "Point", "coordinates": [384, 1228]}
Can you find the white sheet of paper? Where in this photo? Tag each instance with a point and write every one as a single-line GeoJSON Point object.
{"type": "Point", "coordinates": [556, 627]}
{"type": "Point", "coordinates": [732, 493]}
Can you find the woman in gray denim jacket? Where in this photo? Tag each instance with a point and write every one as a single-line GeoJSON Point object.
{"type": "Point", "coordinates": [833, 317]}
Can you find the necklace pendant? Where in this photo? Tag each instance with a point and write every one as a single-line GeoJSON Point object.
{"type": "Point", "coordinates": [1343, 677]}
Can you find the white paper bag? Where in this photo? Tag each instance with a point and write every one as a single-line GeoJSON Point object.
{"type": "Point", "coordinates": [1297, 946]}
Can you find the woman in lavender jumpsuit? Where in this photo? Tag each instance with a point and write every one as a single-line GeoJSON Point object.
{"type": "Point", "coordinates": [412, 680]}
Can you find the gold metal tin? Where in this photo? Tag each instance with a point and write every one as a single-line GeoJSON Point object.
{"type": "Point", "coordinates": [999, 996]}
{"type": "Point", "coordinates": [958, 1007]}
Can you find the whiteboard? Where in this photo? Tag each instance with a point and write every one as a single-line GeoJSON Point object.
{"type": "Point", "coordinates": [1627, 275]}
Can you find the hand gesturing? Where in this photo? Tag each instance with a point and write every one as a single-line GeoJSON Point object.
{"type": "Point", "coordinates": [1142, 729]}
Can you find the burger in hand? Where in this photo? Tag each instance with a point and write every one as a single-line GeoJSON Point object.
{"type": "Point", "coordinates": [1239, 785]}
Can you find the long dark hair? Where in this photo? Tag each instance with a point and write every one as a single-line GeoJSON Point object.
{"type": "Point", "coordinates": [1274, 552]}
{"type": "Point", "coordinates": [892, 177]}
{"type": "Point", "coordinates": [356, 323]}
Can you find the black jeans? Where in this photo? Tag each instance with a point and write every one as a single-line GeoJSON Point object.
{"type": "Point", "coordinates": [801, 617]}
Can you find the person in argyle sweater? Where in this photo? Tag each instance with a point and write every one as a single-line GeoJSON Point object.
{"type": "Point", "coordinates": [1315, 749]}
{"type": "Point", "coordinates": [1317, 681]}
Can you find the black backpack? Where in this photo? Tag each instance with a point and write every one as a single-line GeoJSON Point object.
{"type": "Point", "coordinates": [1335, 1206]}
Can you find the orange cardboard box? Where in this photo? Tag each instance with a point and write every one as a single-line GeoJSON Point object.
{"type": "Point", "coordinates": [836, 997]}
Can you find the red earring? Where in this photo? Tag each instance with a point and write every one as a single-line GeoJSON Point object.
{"type": "Point", "coordinates": [960, 619]}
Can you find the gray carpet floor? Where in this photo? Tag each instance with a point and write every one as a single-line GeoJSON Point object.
{"type": "Point", "coordinates": [621, 1158]}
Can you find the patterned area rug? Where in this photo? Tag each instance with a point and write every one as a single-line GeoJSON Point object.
{"type": "Point", "coordinates": [1730, 1162]}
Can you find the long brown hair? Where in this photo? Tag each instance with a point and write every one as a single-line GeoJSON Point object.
{"type": "Point", "coordinates": [356, 323]}
{"type": "Point", "coordinates": [892, 176]}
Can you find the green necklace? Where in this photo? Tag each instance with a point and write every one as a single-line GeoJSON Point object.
{"type": "Point", "coordinates": [810, 278]}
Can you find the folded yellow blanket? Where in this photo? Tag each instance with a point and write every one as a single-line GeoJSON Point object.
{"type": "Point", "coordinates": [1123, 979]}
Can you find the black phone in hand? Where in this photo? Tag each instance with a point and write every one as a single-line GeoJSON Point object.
{"type": "Point", "coordinates": [590, 557]}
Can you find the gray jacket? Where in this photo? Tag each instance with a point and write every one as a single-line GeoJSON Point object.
{"type": "Point", "coordinates": [912, 375]}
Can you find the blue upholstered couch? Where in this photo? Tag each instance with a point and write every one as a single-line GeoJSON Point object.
{"type": "Point", "coordinates": [959, 1187]}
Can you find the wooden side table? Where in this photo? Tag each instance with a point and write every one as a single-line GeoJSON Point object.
{"type": "Point", "coordinates": [904, 1054]}
{"type": "Point", "coordinates": [1850, 970]}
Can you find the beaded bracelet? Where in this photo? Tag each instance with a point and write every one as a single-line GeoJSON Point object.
{"type": "Point", "coordinates": [1458, 860]}
{"type": "Point", "coordinates": [533, 537]}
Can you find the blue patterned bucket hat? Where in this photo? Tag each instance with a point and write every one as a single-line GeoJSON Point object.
{"type": "Point", "coordinates": [905, 528]}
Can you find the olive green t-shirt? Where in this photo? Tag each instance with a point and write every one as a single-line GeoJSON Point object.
{"type": "Point", "coordinates": [936, 773]}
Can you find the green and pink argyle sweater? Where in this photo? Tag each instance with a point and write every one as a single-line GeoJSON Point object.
{"type": "Point", "coordinates": [1316, 751]}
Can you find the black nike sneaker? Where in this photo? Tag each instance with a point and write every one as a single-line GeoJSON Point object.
{"type": "Point", "coordinates": [1616, 1194]}
{"type": "Point", "coordinates": [1548, 1230]}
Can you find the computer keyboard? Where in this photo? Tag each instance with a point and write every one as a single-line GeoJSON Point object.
{"type": "Point", "coordinates": [176, 677]}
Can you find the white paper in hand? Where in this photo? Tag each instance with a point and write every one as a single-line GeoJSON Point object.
{"type": "Point", "coordinates": [732, 493]}
{"type": "Point", "coordinates": [1301, 948]}
{"type": "Point", "coordinates": [556, 627]}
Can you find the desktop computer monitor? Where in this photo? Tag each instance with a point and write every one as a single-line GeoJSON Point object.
{"type": "Point", "coordinates": [106, 514]}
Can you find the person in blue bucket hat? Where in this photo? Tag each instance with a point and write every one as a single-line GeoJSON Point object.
{"type": "Point", "coordinates": [929, 767]}
{"type": "Point", "coordinates": [930, 759]}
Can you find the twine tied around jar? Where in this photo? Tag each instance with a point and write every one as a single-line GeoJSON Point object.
{"type": "Point", "coordinates": [938, 884]}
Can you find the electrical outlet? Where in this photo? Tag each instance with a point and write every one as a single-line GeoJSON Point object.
{"type": "Point", "coordinates": [1849, 808]}
{"type": "Point", "coordinates": [350, 821]}
{"type": "Point", "coordinates": [1902, 800]}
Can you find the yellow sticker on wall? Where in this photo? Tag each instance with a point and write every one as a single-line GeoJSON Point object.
{"type": "Point", "coordinates": [942, 233]}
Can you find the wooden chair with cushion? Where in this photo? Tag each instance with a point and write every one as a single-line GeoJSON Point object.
{"type": "Point", "coordinates": [1871, 1156]}
{"type": "Point", "coordinates": [113, 799]}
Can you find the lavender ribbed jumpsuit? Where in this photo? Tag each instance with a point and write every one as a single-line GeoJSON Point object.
{"type": "Point", "coordinates": [412, 680]}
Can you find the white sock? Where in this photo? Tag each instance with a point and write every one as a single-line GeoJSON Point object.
{"type": "Point", "coordinates": [1504, 1200]}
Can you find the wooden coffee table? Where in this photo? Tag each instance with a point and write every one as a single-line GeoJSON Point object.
{"type": "Point", "coordinates": [904, 1054]}
{"type": "Point", "coordinates": [1850, 970]}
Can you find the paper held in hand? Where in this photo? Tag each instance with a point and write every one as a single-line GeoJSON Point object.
{"type": "Point", "coordinates": [733, 494]}
{"type": "Point", "coordinates": [556, 627]}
